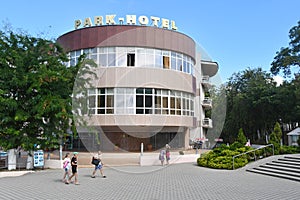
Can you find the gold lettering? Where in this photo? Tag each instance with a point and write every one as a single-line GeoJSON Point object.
{"type": "Point", "coordinates": [131, 19]}
{"type": "Point", "coordinates": [110, 19]}
{"type": "Point", "coordinates": [143, 20]}
{"type": "Point", "coordinates": [173, 25]}
{"type": "Point", "coordinates": [98, 21]}
{"type": "Point", "coordinates": [155, 21]}
{"type": "Point", "coordinates": [87, 22]}
{"type": "Point", "coordinates": [165, 23]}
{"type": "Point", "coordinates": [77, 23]}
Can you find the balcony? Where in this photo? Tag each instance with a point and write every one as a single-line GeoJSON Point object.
{"type": "Point", "coordinates": [207, 103]}
{"type": "Point", "coordinates": [205, 82]}
{"type": "Point", "coordinates": [207, 123]}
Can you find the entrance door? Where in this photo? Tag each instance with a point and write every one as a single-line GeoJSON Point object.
{"type": "Point", "coordinates": [161, 139]}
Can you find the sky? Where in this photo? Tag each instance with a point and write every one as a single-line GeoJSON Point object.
{"type": "Point", "coordinates": [237, 34]}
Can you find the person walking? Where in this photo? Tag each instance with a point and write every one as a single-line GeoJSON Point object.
{"type": "Point", "coordinates": [74, 168]}
{"type": "Point", "coordinates": [167, 153]}
{"type": "Point", "coordinates": [98, 164]}
{"type": "Point", "coordinates": [161, 157]}
{"type": "Point", "coordinates": [66, 167]}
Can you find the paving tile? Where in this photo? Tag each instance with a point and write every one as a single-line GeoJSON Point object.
{"type": "Point", "coordinates": [178, 181]}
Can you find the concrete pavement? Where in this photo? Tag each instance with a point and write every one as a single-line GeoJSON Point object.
{"type": "Point", "coordinates": [177, 181]}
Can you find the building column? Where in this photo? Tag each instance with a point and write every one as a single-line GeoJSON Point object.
{"type": "Point", "coordinates": [186, 138]}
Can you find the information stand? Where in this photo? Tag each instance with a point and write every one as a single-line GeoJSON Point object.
{"type": "Point", "coordinates": [38, 158]}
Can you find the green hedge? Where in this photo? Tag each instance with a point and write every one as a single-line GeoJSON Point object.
{"type": "Point", "coordinates": [221, 158]}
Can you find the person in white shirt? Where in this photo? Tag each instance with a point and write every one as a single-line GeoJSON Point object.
{"type": "Point", "coordinates": [66, 167]}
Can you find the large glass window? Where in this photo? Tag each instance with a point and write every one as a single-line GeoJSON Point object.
{"type": "Point", "coordinates": [140, 101]}
{"type": "Point", "coordinates": [135, 56]}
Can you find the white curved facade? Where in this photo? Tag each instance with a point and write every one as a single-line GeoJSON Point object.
{"type": "Point", "coordinates": [142, 94]}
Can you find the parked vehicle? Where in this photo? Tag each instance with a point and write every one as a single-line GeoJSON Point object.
{"type": "Point", "coordinates": [197, 144]}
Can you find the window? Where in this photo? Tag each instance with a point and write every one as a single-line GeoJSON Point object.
{"type": "Point", "coordinates": [130, 59]}
{"type": "Point", "coordinates": [139, 101]}
{"type": "Point", "coordinates": [166, 62]}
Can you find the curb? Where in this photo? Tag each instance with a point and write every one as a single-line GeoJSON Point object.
{"type": "Point", "coordinates": [14, 173]}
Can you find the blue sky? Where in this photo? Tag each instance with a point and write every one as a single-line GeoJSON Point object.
{"type": "Point", "coordinates": [238, 34]}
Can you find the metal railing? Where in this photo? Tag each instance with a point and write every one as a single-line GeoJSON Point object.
{"type": "Point", "coordinates": [263, 147]}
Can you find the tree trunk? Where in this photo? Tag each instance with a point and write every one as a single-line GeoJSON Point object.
{"type": "Point", "coordinates": [29, 163]}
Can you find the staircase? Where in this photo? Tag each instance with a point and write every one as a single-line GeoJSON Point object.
{"type": "Point", "coordinates": [287, 167]}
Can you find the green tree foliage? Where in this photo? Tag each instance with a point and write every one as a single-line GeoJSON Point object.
{"type": "Point", "coordinates": [250, 104]}
{"type": "Point", "coordinates": [35, 90]}
{"type": "Point", "coordinates": [277, 131]}
{"type": "Point", "coordinates": [275, 137]}
{"type": "Point", "coordinates": [241, 138]}
{"type": "Point", "coordinates": [289, 56]}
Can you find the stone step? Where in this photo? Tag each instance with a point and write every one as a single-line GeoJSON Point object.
{"type": "Point", "coordinates": [280, 172]}
{"type": "Point", "coordinates": [289, 160]}
{"type": "Point", "coordinates": [284, 165]}
{"type": "Point", "coordinates": [286, 162]}
{"type": "Point", "coordinates": [280, 168]}
{"type": "Point", "coordinates": [268, 173]}
{"type": "Point", "coordinates": [293, 157]}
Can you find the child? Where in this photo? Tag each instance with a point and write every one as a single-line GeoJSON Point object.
{"type": "Point", "coordinates": [66, 167]}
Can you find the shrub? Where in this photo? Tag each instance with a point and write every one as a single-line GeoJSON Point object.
{"type": "Point", "coordinates": [221, 158]}
{"type": "Point", "coordinates": [235, 145]}
{"type": "Point", "coordinates": [241, 138]}
{"type": "Point", "coordinates": [288, 150]}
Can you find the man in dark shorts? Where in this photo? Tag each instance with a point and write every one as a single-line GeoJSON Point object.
{"type": "Point", "coordinates": [74, 168]}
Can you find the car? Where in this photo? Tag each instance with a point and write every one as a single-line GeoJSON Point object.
{"type": "Point", "coordinates": [197, 144]}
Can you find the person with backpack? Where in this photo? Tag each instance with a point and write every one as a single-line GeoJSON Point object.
{"type": "Point", "coordinates": [96, 160]}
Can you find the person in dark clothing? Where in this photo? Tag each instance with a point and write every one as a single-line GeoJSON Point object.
{"type": "Point", "coordinates": [74, 168]}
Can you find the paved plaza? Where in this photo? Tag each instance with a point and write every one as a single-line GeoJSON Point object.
{"type": "Point", "coordinates": [177, 181]}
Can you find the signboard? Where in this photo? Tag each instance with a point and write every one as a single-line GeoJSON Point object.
{"type": "Point", "coordinates": [218, 140]}
{"type": "Point", "coordinates": [128, 20]}
{"type": "Point", "coordinates": [201, 139]}
{"type": "Point", "coordinates": [38, 158]}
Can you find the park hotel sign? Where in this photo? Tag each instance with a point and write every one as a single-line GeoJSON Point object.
{"type": "Point", "coordinates": [128, 20]}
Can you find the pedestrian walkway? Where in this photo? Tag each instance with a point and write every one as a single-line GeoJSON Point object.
{"type": "Point", "coordinates": [123, 158]}
{"type": "Point", "coordinates": [177, 181]}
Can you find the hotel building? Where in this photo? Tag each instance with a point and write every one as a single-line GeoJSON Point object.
{"type": "Point", "coordinates": [150, 87]}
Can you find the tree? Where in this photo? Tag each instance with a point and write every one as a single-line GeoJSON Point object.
{"type": "Point", "coordinates": [241, 138]}
{"type": "Point", "coordinates": [289, 56]}
{"type": "Point", "coordinates": [275, 137]}
{"type": "Point", "coordinates": [250, 104]}
{"type": "Point", "coordinates": [35, 91]}
{"type": "Point", "coordinates": [277, 131]}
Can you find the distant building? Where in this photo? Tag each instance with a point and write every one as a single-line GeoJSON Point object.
{"type": "Point", "coordinates": [293, 137]}
{"type": "Point", "coordinates": [150, 87]}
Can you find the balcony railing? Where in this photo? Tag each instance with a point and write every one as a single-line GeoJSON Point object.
{"type": "Point", "coordinates": [207, 103]}
{"type": "Point", "coordinates": [207, 123]}
{"type": "Point", "coordinates": [205, 81]}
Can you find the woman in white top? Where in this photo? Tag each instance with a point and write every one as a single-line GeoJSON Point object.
{"type": "Point", "coordinates": [66, 166]}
